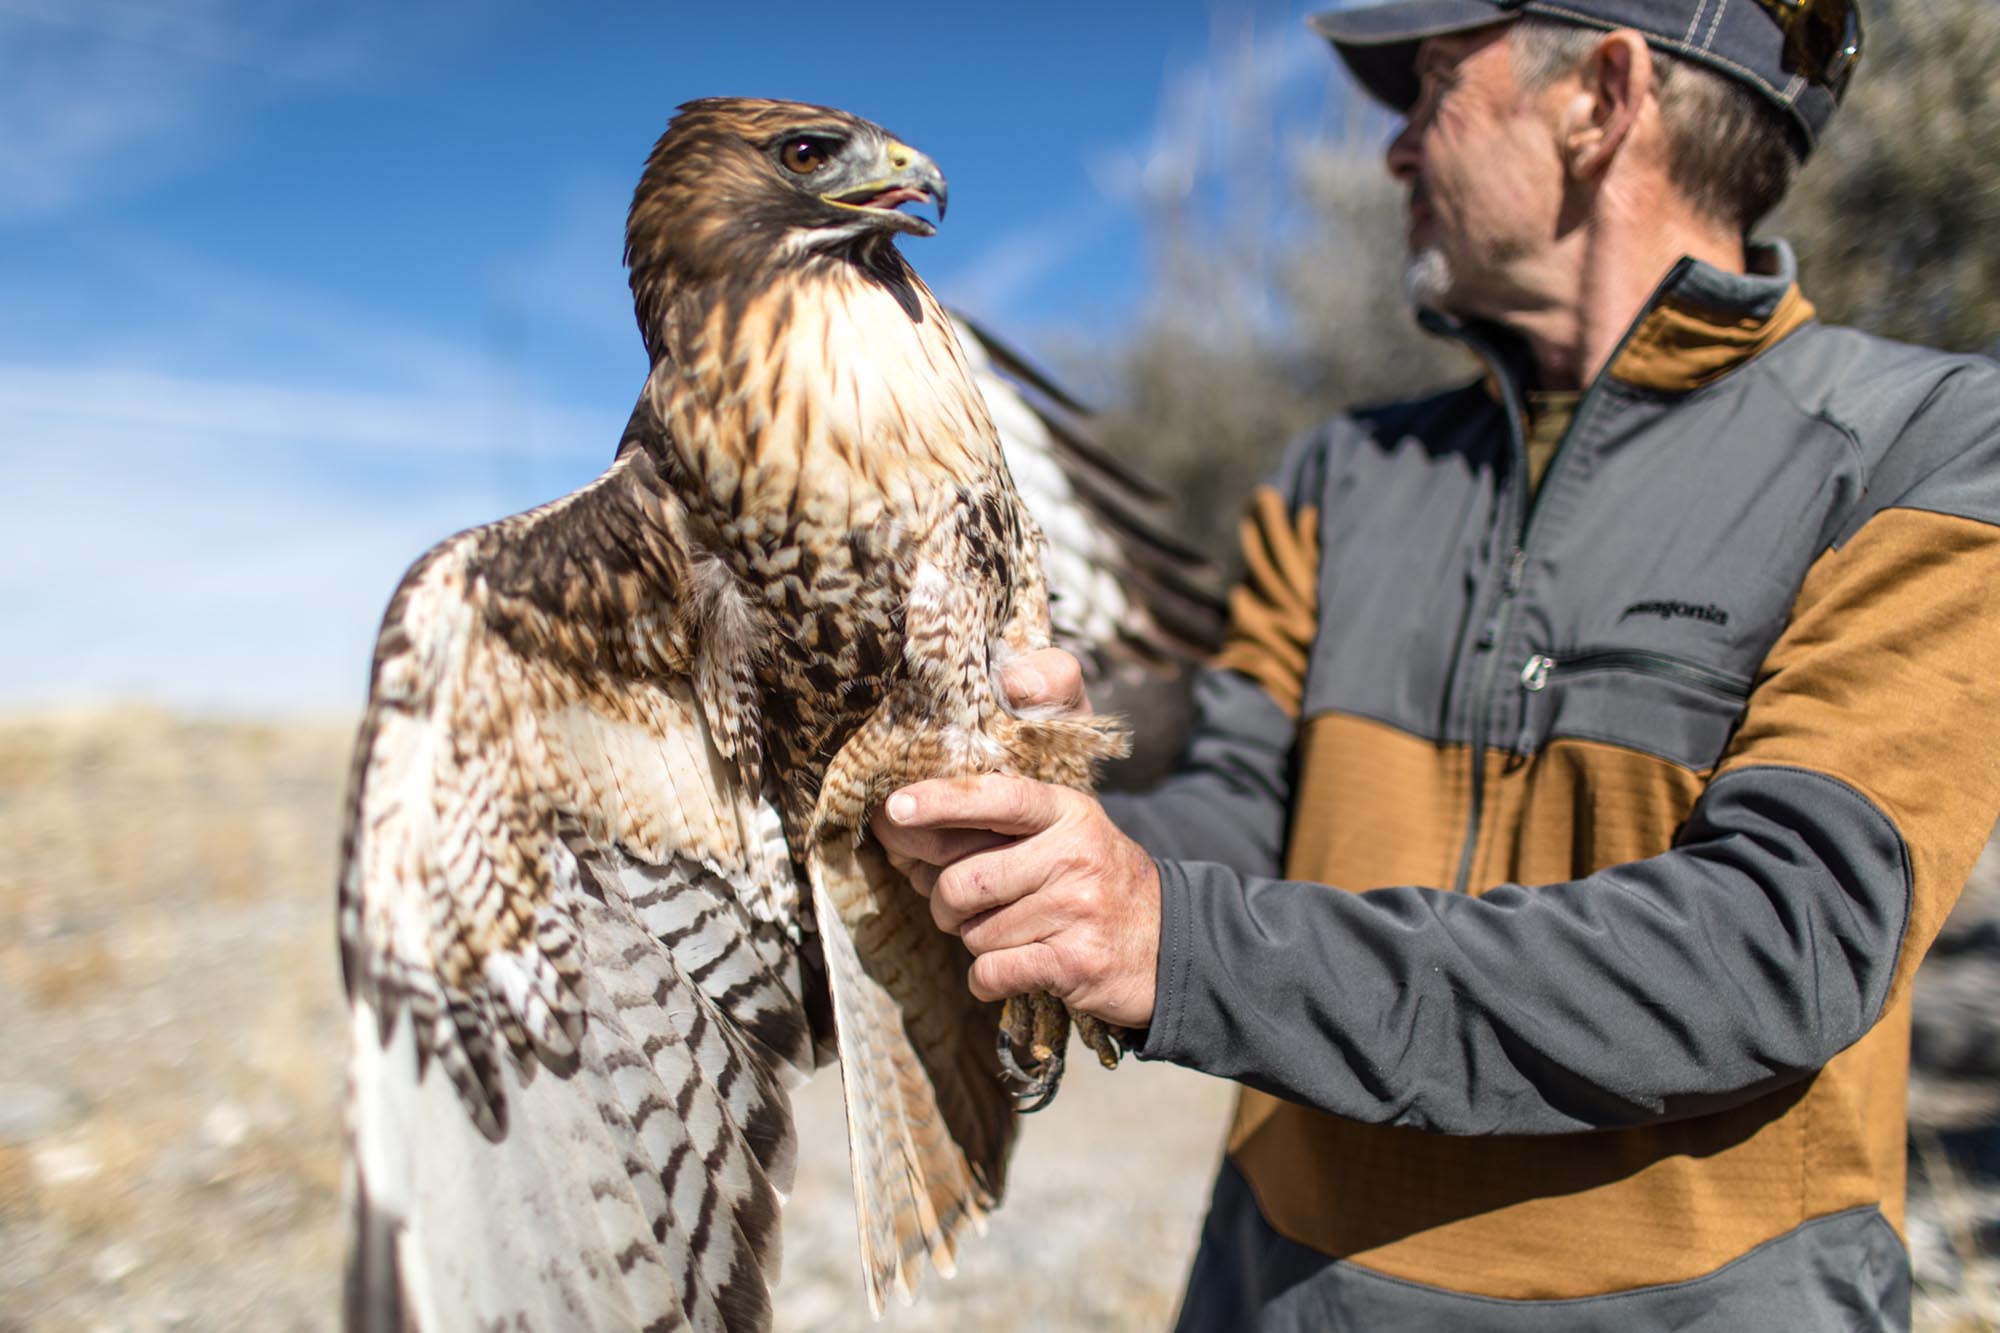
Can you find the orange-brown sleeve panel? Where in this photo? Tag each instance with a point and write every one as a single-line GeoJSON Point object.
{"type": "Point", "coordinates": [1887, 679]}
{"type": "Point", "coordinates": [1272, 609]}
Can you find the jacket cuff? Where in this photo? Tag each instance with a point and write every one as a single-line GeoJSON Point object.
{"type": "Point", "coordinates": [1170, 972]}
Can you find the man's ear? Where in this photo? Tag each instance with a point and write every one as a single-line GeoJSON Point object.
{"type": "Point", "coordinates": [1613, 81]}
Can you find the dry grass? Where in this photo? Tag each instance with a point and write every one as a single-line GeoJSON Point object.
{"type": "Point", "coordinates": [170, 1048]}
{"type": "Point", "coordinates": [169, 1074]}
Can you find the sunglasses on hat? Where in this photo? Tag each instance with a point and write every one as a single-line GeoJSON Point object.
{"type": "Point", "coordinates": [1822, 38]}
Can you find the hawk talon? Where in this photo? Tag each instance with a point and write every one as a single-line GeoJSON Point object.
{"type": "Point", "coordinates": [1031, 1092]}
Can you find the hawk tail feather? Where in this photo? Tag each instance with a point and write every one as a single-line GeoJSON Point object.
{"type": "Point", "coordinates": [927, 1135]}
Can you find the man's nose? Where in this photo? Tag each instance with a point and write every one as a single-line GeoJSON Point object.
{"type": "Point", "coordinates": [1403, 157]}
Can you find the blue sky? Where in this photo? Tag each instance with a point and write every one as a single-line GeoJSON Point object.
{"type": "Point", "coordinates": [290, 290]}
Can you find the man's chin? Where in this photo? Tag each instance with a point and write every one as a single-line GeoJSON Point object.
{"type": "Point", "coordinates": [1428, 280]}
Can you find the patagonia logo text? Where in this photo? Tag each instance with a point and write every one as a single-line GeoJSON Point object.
{"type": "Point", "coordinates": [1714, 615]}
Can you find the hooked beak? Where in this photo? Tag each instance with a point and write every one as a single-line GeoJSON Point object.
{"type": "Point", "coordinates": [907, 177]}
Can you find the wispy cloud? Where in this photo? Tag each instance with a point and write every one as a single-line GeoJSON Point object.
{"type": "Point", "coordinates": [206, 501]}
{"type": "Point", "coordinates": [65, 404]}
{"type": "Point", "coordinates": [229, 544]}
{"type": "Point", "coordinates": [1224, 108]}
{"type": "Point", "coordinates": [1255, 82]}
{"type": "Point", "coordinates": [1003, 277]}
{"type": "Point", "coordinates": [102, 96]}
{"type": "Point", "coordinates": [240, 594]}
{"type": "Point", "coordinates": [184, 521]}
{"type": "Point", "coordinates": [188, 310]}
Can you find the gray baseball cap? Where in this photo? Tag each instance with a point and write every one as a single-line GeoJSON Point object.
{"type": "Point", "coordinates": [1797, 53]}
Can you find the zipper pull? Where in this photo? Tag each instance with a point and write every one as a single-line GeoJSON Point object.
{"type": "Point", "coordinates": [1516, 564]}
{"type": "Point", "coordinates": [1535, 675]}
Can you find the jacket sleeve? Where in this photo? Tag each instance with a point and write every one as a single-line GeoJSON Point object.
{"type": "Point", "coordinates": [1228, 801]}
{"type": "Point", "coordinates": [1793, 908]}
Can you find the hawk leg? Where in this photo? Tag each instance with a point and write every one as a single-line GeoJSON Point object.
{"type": "Point", "coordinates": [1034, 1034]}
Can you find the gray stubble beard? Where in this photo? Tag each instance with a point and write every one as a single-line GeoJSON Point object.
{"type": "Point", "coordinates": [1427, 280]}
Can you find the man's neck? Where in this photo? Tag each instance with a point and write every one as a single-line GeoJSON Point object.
{"type": "Point", "coordinates": [1613, 265]}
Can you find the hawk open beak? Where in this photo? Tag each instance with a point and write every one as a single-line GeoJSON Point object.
{"type": "Point", "coordinates": [906, 177]}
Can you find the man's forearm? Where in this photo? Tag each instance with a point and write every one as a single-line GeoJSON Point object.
{"type": "Point", "coordinates": [1746, 957]}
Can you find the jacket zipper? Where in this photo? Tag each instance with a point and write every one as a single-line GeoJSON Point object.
{"type": "Point", "coordinates": [1535, 674]}
{"type": "Point", "coordinates": [1493, 636]}
{"type": "Point", "coordinates": [1536, 671]}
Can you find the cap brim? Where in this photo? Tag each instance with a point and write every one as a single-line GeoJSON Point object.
{"type": "Point", "coordinates": [1379, 42]}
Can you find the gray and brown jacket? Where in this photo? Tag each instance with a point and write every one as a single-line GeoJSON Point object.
{"type": "Point", "coordinates": [1640, 794]}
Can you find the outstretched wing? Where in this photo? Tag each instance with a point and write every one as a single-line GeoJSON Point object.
{"type": "Point", "coordinates": [569, 938]}
{"type": "Point", "coordinates": [1137, 606]}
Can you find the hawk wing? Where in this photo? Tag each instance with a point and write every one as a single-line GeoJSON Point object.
{"type": "Point", "coordinates": [1137, 607]}
{"type": "Point", "coordinates": [569, 932]}
{"type": "Point", "coordinates": [1122, 590]}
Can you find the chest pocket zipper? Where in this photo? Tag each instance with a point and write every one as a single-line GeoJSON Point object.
{"type": "Point", "coordinates": [1539, 669]}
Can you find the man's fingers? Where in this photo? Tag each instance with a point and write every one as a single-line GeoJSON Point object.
{"type": "Point", "coordinates": [1028, 918]}
{"type": "Point", "coordinates": [907, 846]}
{"type": "Point", "coordinates": [923, 878]}
{"type": "Point", "coordinates": [996, 802]}
{"type": "Point", "coordinates": [932, 827]}
{"type": "Point", "coordinates": [1011, 972]}
{"type": "Point", "coordinates": [1046, 678]}
{"type": "Point", "coordinates": [979, 885]}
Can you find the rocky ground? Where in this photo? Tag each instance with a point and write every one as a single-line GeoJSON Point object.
{"type": "Point", "coordinates": [170, 1051]}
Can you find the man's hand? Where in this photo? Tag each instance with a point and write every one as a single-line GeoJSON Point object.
{"type": "Point", "coordinates": [1044, 890]}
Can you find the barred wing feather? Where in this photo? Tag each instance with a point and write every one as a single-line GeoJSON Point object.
{"type": "Point", "coordinates": [569, 935]}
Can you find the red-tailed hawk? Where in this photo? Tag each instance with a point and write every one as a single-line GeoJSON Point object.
{"type": "Point", "coordinates": [606, 892]}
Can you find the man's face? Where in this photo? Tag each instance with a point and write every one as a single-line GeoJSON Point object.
{"type": "Point", "coordinates": [1485, 182]}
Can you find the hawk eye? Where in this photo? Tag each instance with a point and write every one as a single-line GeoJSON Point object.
{"type": "Point", "coordinates": [805, 156]}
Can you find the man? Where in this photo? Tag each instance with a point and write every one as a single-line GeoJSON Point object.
{"type": "Point", "coordinates": [1596, 748]}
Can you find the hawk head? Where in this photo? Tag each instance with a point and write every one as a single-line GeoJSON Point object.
{"type": "Point", "coordinates": [739, 188]}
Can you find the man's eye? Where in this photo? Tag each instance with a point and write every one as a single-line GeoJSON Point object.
{"type": "Point", "coordinates": [804, 156]}
{"type": "Point", "coordinates": [1430, 92]}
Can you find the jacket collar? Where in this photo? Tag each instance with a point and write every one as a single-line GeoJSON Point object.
{"type": "Point", "coordinates": [1700, 324]}
{"type": "Point", "coordinates": [1704, 323]}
